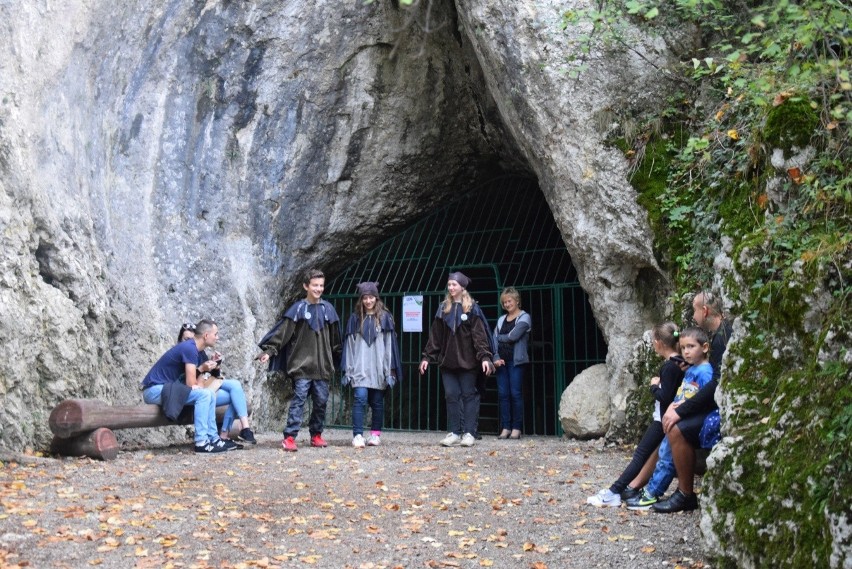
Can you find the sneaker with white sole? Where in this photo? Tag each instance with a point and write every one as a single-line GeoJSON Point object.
{"type": "Point", "coordinates": [604, 498]}
{"type": "Point", "coordinates": [468, 440]}
{"type": "Point", "coordinates": [374, 441]}
{"type": "Point", "coordinates": [451, 440]}
{"type": "Point", "coordinates": [358, 441]}
{"type": "Point", "coordinates": [210, 448]}
{"type": "Point", "coordinates": [643, 501]}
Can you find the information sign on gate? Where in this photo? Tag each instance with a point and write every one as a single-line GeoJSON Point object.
{"type": "Point", "coordinates": [412, 313]}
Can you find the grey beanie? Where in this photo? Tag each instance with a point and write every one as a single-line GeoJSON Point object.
{"type": "Point", "coordinates": [460, 278]}
{"type": "Point", "coordinates": [368, 288]}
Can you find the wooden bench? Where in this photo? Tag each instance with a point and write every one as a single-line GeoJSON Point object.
{"type": "Point", "coordinates": [84, 427]}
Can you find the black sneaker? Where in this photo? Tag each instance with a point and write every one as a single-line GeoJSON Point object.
{"type": "Point", "coordinates": [677, 502]}
{"type": "Point", "coordinates": [230, 445]}
{"type": "Point", "coordinates": [210, 448]}
{"type": "Point", "coordinates": [628, 493]}
{"type": "Point", "coordinates": [642, 501]}
{"type": "Point", "coordinates": [248, 436]}
{"type": "Point", "coordinates": [477, 436]}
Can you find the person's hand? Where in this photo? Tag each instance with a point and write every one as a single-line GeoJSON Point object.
{"type": "Point", "coordinates": [498, 363]}
{"type": "Point", "coordinates": [487, 367]}
{"type": "Point", "coordinates": [216, 357]}
{"type": "Point", "coordinates": [264, 357]}
{"type": "Point", "coordinates": [196, 386]}
{"type": "Point", "coordinates": [671, 417]}
{"type": "Point", "coordinates": [655, 381]}
{"type": "Point", "coordinates": [424, 365]}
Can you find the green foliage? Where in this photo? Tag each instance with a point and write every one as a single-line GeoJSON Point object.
{"type": "Point", "coordinates": [770, 75]}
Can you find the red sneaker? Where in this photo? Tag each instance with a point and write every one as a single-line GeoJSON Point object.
{"type": "Point", "coordinates": [289, 444]}
{"type": "Point", "coordinates": [318, 441]}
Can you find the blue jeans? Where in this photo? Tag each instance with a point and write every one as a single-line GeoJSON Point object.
{"type": "Point", "coordinates": [462, 400]}
{"type": "Point", "coordinates": [510, 395]}
{"type": "Point", "coordinates": [664, 473]}
{"type": "Point", "coordinates": [204, 414]}
{"type": "Point", "coordinates": [231, 394]}
{"type": "Point", "coordinates": [318, 388]}
{"type": "Point", "coordinates": [376, 399]}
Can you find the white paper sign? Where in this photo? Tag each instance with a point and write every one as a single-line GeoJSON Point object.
{"type": "Point", "coordinates": [412, 313]}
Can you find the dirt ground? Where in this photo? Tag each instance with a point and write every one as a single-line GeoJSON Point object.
{"type": "Point", "coordinates": [407, 503]}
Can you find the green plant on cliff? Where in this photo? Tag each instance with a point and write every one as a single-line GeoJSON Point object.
{"type": "Point", "coordinates": [761, 170]}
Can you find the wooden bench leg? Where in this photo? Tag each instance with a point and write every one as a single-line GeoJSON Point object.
{"type": "Point", "coordinates": [99, 443]}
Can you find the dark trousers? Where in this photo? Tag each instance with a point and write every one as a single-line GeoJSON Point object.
{"type": "Point", "coordinates": [462, 400]}
{"type": "Point", "coordinates": [650, 441]}
{"type": "Point", "coordinates": [318, 388]}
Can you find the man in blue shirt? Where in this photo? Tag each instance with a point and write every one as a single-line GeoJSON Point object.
{"type": "Point", "coordinates": [163, 385]}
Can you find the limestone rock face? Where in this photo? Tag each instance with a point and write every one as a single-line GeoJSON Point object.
{"type": "Point", "coordinates": [166, 161]}
{"type": "Point", "coordinates": [556, 121]}
{"type": "Point", "coordinates": [584, 409]}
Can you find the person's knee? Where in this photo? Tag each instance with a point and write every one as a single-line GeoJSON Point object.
{"type": "Point", "coordinates": [360, 395]}
{"type": "Point", "coordinates": [203, 396]}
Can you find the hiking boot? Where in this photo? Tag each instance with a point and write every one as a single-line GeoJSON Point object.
{"type": "Point", "coordinates": [248, 436]}
{"type": "Point", "coordinates": [641, 502]}
{"type": "Point", "coordinates": [604, 498]}
{"type": "Point", "coordinates": [467, 440]}
{"type": "Point", "coordinates": [677, 502]}
{"type": "Point", "coordinates": [628, 493]}
{"type": "Point", "coordinates": [318, 441]}
{"type": "Point", "coordinates": [231, 445]}
{"type": "Point", "coordinates": [374, 440]}
{"type": "Point", "coordinates": [210, 448]}
{"type": "Point", "coordinates": [289, 444]}
{"type": "Point", "coordinates": [358, 441]}
{"type": "Point", "coordinates": [451, 440]}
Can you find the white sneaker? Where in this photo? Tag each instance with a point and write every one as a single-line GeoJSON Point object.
{"type": "Point", "coordinates": [468, 440]}
{"type": "Point", "coordinates": [374, 441]}
{"type": "Point", "coordinates": [358, 441]}
{"type": "Point", "coordinates": [604, 498]}
{"type": "Point", "coordinates": [451, 440]}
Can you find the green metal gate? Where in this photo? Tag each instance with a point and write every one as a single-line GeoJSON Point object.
{"type": "Point", "coordinates": [502, 234]}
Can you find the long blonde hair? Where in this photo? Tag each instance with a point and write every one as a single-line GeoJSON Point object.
{"type": "Point", "coordinates": [466, 302]}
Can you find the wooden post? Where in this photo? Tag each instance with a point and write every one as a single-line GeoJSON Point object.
{"type": "Point", "coordinates": [99, 443]}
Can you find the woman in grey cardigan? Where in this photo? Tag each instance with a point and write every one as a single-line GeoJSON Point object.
{"type": "Point", "coordinates": [511, 338]}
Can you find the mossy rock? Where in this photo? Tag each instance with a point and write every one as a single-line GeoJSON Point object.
{"type": "Point", "coordinates": [790, 124]}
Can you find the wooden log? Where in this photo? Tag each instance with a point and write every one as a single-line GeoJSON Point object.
{"type": "Point", "coordinates": [99, 443]}
{"type": "Point", "coordinates": [74, 417]}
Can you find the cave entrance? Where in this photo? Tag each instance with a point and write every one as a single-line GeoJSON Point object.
{"type": "Point", "coordinates": [501, 234]}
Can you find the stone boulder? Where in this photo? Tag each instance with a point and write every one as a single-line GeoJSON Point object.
{"type": "Point", "coordinates": [584, 409]}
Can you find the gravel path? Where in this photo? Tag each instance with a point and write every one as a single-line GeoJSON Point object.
{"type": "Point", "coordinates": [407, 503]}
